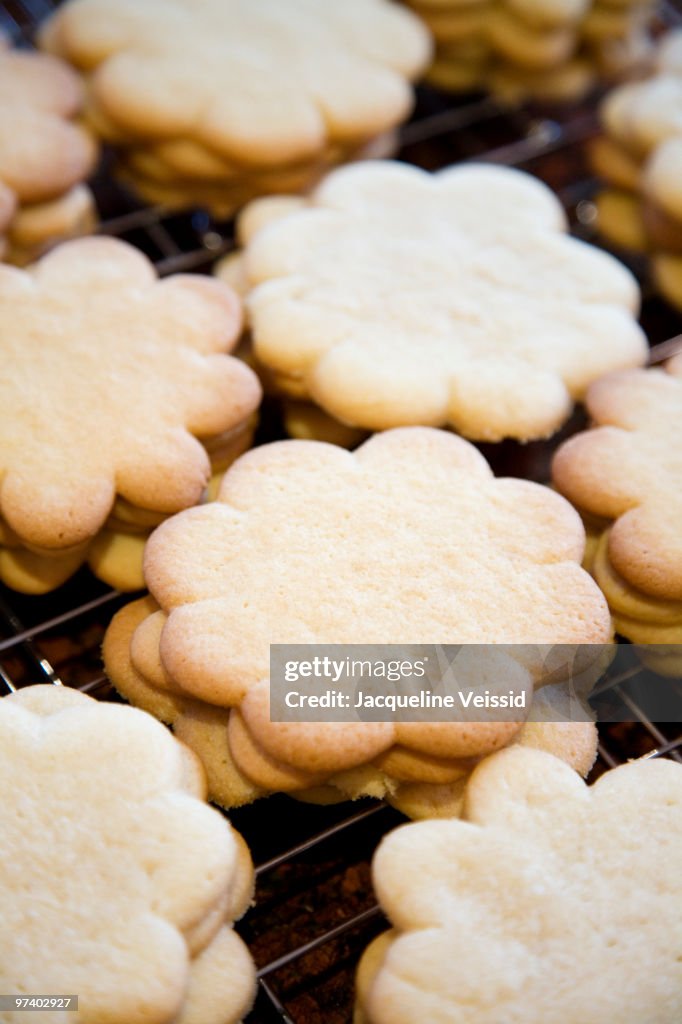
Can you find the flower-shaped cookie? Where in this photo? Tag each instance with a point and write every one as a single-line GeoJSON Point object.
{"type": "Point", "coordinates": [552, 903]}
{"type": "Point", "coordinates": [107, 374]}
{"type": "Point", "coordinates": [669, 55]}
{"type": "Point", "coordinates": [638, 118]}
{"type": "Point", "coordinates": [629, 469]}
{"type": "Point", "coordinates": [106, 842]}
{"type": "Point", "coordinates": [402, 297]}
{"type": "Point", "coordinates": [304, 536]}
{"type": "Point", "coordinates": [408, 540]}
{"type": "Point", "coordinates": [42, 155]}
{"type": "Point", "coordinates": [640, 157]}
{"type": "Point", "coordinates": [641, 115]}
{"type": "Point", "coordinates": [256, 81]}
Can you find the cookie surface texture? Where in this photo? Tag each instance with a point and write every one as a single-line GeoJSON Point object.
{"type": "Point", "coordinates": [111, 380]}
{"type": "Point", "coordinates": [535, 907]}
{"type": "Point", "coordinates": [384, 528]}
{"type": "Point", "coordinates": [549, 50]}
{"type": "Point", "coordinates": [150, 877]}
{"type": "Point", "coordinates": [44, 156]}
{"type": "Point", "coordinates": [401, 297]}
{"type": "Point", "coordinates": [641, 152]}
{"type": "Point", "coordinates": [628, 469]}
{"type": "Point", "coordinates": [258, 82]}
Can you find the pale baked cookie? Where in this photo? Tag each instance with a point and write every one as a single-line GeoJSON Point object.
{"type": "Point", "coordinates": [662, 183]}
{"type": "Point", "coordinates": [223, 92]}
{"type": "Point", "coordinates": [455, 29]}
{"type": "Point", "coordinates": [620, 219]}
{"type": "Point", "coordinates": [606, 22]}
{"type": "Point", "coordinates": [669, 52]}
{"type": "Point", "coordinates": [107, 842]}
{"type": "Point", "coordinates": [628, 471]}
{"type": "Point", "coordinates": [535, 907]}
{"type": "Point", "coordinates": [44, 157]}
{"type": "Point", "coordinates": [666, 270]}
{"type": "Point", "coordinates": [552, 728]}
{"type": "Point", "coordinates": [308, 543]}
{"type": "Point", "coordinates": [308, 422]}
{"type": "Point", "coordinates": [157, 183]}
{"type": "Point", "coordinates": [631, 54]}
{"type": "Point", "coordinates": [527, 47]}
{"type": "Point", "coordinates": [402, 297]}
{"type": "Point", "coordinates": [613, 163]}
{"type": "Point", "coordinates": [462, 51]}
{"type": "Point", "coordinates": [548, 14]}
{"type": "Point", "coordinates": [571, 80]}
{"type": "Point", "coordinates": [463, 74]}
{"type": "Point", "coordinates": [547, 50]}
{"type": "Point", "coordinates": [641, 115]}
{"type": "Point", "coordinates": [117, 399]}
{"type": "Point", "coordinates": [37, 226]}
{"type": "Point", "coordinates": [640, 153]}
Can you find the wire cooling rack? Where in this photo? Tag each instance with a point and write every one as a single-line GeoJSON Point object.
{"type": "Point", "coordinates": [315, 909]}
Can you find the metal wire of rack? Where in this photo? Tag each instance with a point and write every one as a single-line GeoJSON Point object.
{"type": "Point", "coordinates": [315, 910]}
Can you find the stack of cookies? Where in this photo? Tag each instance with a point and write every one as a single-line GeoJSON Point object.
{"type": "Point", "coordinates": [308, 543]}
{"type": "Point", "coordinates": [395, 297]}
{"type": "Point", "coordinates": [640, 157]}
{"type": "Point", "coordinates": [462, 49]}
{"type": "Point", "coordinates": [544, 49]}
{"type": "Point", "coordinates": [625, 476]}
{"type": "Point", "coordinates": [514, 48]}
{"type": "Point", "coordinates": [44, 157]}
{"type": "Point", "coordinates": [212, 103]}
{"type": "Point", "coordinates": [107, 843]}
{"type": "Point", "coordinates": [542, 907]}
{"type": "Point", "coordinates": [118, 401]}
{"type": "Point", "coordinates": [617, 38]}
